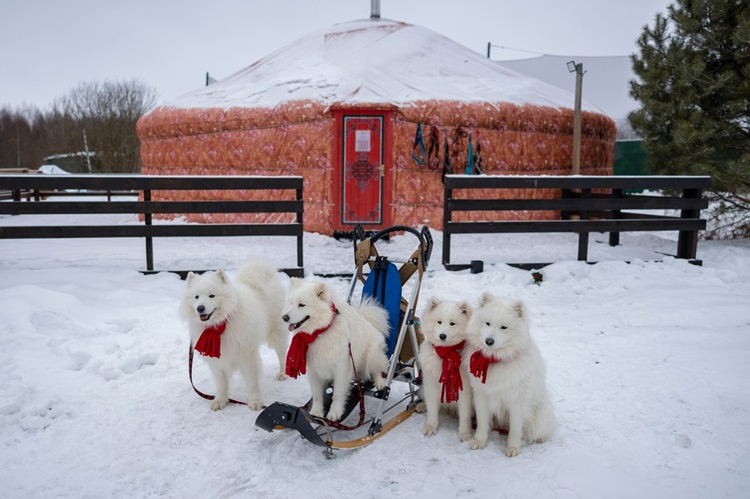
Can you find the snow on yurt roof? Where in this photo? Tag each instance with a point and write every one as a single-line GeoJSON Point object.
{"type": "Point", "coordinates": [374, 61]}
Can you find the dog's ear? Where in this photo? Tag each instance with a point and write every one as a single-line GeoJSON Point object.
{"type": "Point", "coordinates": [519, 309]}
{"type": "Point", "coordinates": [433, 303]}
{"type": "Point", "coordinates": [465, 308]}
{"type": "Point", "coordinates": [222, 276]}
{"type": "Point", "coordinates": [321, 290]}
{"type": "Point", "coordinates": [485, 299]}
{"type": "Point", "coordinates": [190, 277]}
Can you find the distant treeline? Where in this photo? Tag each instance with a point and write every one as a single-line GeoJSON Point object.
{"type": "Point", "coordinates": [94, 117]}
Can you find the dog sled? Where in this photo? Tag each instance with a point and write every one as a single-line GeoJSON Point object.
{"type": "Point", "coordinates": [386, 279]}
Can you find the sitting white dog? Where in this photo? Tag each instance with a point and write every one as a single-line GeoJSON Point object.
{"type": "Point", "coordinates": [445, 380]}
{"type": "Point", "coordinates": [507, 375]}
{"type": "Point", "coordinates": [332, 338]}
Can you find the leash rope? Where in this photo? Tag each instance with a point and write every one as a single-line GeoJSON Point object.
{"type": "Point", "coordinates": [343, 427]}
{"type": "Point", "coordinates": [433, 149]}
{"type": "Point", "coordinates": [447, 169]}
{"type": "Point", "coordinates": [204, 395]}
{"type": "Point", "coordinates": [418, 152]}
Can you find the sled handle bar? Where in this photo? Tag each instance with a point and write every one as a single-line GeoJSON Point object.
{"type": "Point", "coordinates": [424, 236]}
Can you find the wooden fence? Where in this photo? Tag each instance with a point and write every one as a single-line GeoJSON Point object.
{"type": "Point", "coordinates": [144, 186]}
{"type": "Point", "coordinates": [586, 204]}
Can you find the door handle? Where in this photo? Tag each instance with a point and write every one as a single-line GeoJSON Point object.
{"type": "Point", "coordinates": [382, 170]}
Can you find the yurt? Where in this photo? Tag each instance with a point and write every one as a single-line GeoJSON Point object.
{"type": "Point", "coordinates": [372, 113]}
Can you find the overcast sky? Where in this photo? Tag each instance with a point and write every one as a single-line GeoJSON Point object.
{"type": "Point", "coordinates": [48, 47]}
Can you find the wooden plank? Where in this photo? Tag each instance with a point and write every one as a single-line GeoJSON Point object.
{"type": "Point", "coordinates": [291, 272]}
{"type": "Point", "coordinates": [63, 194]}
{"type": "Point", "coordinates": [141, 231]}
{"type": "Point", "coordinates": [575, 182]}
{"type": "Point", "coordinates": [529, 226]}
{"type": "Point", "coordinates": [168, 230]}
{"type": "Point", "coordinates": [540, 265]}
{"type": "Point", "coordinates": [153, 182]}
{"type": "Point", "coordinates": [576, 204]}
{"type": "Point", "coordinates": [143, 207]}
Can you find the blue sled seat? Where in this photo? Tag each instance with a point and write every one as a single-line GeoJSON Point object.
{"type": "Point", "coordinates": [384, 285]}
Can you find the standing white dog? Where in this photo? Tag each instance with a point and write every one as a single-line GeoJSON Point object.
{"type": "Point", "coordinates": [507, 375]}
{"type": "Point", "coordinates": [325, 330]}
{"type": "Point", "coordinates": [229, 321]}
{"type": "Point", "coordinates": [446, 381]}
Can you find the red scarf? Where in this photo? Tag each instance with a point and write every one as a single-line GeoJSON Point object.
{"type": "Point", "coordinates": [450, 377]}
{"type": "Point", "coordinates": [479, 364]}
{"type": "Point", "coordinates": [296, 357]}
{"type": "Point", "coordinates": [209, 343]}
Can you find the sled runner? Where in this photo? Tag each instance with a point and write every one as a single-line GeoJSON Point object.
{"type": "Point", "coordinates": [383, 280]}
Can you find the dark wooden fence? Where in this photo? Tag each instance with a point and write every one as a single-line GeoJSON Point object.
{"type": "Point", "coordinates": [17, 194]}
{"type": "Point", "coordinates": [144, 186]}
{"type": "Point", "coordinates": [586, 204]}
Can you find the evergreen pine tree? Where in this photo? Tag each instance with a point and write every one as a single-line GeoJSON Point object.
{"type": "Point", "coordinates": [693, 84]}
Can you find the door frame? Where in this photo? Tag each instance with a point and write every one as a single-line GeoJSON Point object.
{"type": "Point", "coordinates": [337, 215]}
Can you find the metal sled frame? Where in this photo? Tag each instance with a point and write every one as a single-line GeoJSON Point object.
{"type": "Point", "coordinates": [319, 431]}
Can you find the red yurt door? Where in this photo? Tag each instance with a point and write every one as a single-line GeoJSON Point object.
{"type": "Point", "coordinates": [363, 170]}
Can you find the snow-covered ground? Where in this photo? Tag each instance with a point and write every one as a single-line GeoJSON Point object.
{"type": "Point", "coordinates": [647, 366]}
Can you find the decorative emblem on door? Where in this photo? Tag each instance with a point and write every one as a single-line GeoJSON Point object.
{"type": "Point", "coordinates": [361, 171]}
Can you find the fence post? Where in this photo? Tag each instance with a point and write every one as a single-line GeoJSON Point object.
{"type": "Point", "coordinates": [447, 195]}
{"type": "Point", "coordinates": [614, 237]}
{"type": "Point", "coordinates": [583, 237]}
{"type": "Point", "coordinates": [687, 241]}
{"type": "Point", "coordinates": [299, 238]}
{"type": "Point", "coordinates": [149, 239]}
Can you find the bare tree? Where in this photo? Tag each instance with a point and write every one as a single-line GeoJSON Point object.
{"type": "Point", "coordinates": [107, 114]}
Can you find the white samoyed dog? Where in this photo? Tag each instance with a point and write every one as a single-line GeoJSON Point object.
{"type": "Point", "coordinates": [323, 328]}
{"type": "Point", "coordinates": [507, 375]}
{"type": "Point", "coordinates": [445, 380]}
{"type": "Point", "coordinates": [246, 313]}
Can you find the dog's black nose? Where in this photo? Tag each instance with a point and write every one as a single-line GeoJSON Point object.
{"type": "Point", "coordinates": [442, 336]}
{"type": "Point", "coordinates": [489, 342]}
{"type": "Point", "coordinates": [285, 318]}
{"type": "Point", "coordinates": [200, 309]}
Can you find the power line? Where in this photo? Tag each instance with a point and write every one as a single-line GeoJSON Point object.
{"type": "Point", "coordinates": [490, 45]}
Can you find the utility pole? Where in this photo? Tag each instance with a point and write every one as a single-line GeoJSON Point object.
{"type": "Point", "coordinates": [578, 68]}
{"type": "Point", "coordinates": [86, 147]}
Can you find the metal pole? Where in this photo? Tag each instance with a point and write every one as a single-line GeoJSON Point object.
{"type": "Point", "coordinates": [577, 121]}
{"type": "Point", "coordinates": [374, 9]}
{"type": "Point", "coordinates": [489, 47]}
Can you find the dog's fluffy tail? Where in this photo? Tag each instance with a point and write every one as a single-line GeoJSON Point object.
{"type": "Point", "coordinates": [263, 277]}
{"type": "Point", "coordinates": [375, 315]}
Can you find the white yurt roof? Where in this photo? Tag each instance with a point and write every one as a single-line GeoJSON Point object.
{"type": "Point", "coordinates": [375, 61]}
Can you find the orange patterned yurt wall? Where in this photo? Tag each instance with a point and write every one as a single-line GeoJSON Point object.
{"type": "Point", "coordinates": [292, 140]}
{"type": "Point", "coordinates": [513, 140]}
{"type": "Point", "coordinates": [341, 107]}
{"type": "Point", "coordinates": [297, 138]}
